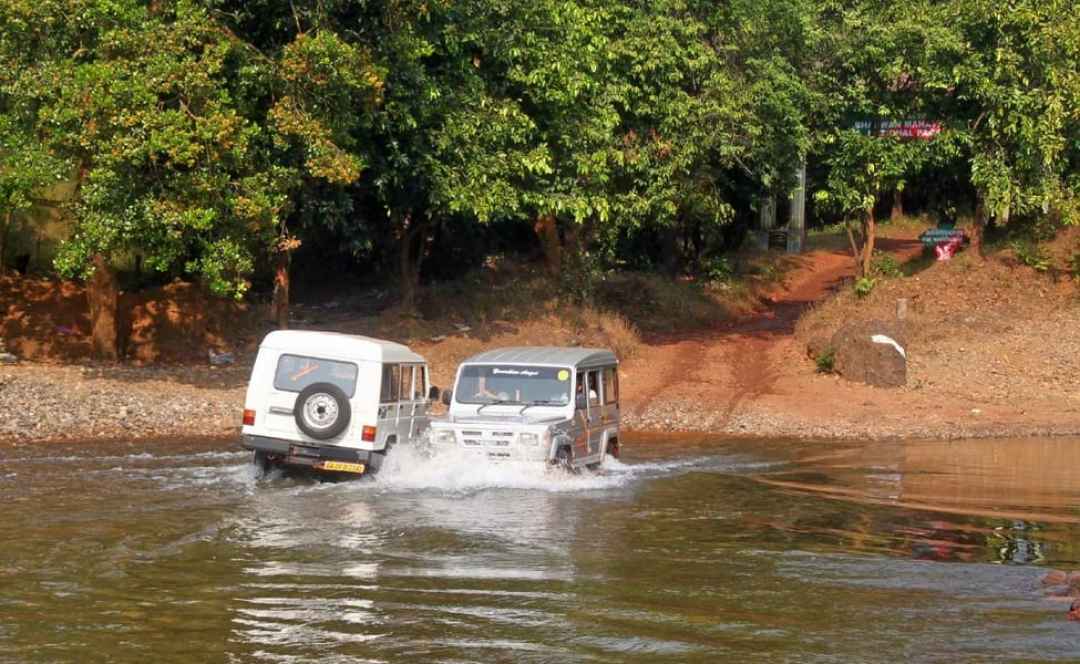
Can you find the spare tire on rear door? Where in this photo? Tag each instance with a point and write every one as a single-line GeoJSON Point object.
{"type": "Point", "coordinates": [322, 411]}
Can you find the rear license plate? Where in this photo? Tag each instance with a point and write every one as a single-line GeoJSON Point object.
{"type": "Point", "coordinates": [342, 466]}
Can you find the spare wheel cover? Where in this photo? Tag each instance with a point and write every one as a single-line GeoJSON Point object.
{"type": "Point", "coordinates": [322, 411]}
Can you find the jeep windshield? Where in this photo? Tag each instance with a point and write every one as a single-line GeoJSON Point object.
{"type": "Point", "coordinates": [513, 384]}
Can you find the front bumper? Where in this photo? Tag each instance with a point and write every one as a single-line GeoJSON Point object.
{"type": "Point", "coordinates": [490, 446]}
{"type": "Point", "coordinates": [292, 453]}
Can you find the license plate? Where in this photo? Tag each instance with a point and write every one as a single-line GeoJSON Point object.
{"type": "Point", "coordinates": [342, 466]}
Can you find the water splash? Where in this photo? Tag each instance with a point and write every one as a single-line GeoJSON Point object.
{"type": "Point", "coordinates": [410, 468]}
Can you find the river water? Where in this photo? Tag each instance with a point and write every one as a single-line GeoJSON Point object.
{"type": "Point", "coordinates": [686, 551]}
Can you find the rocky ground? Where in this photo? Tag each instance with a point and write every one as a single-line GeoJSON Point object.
{"type": "Point", "coordinates": [43, 402]}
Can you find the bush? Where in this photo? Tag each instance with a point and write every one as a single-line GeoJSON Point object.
{"type": "Point", "coordinates": [1031, 254]}
{"type": "Point", "coordinates": [864, 286]}
{"type": "Point", "coordinates": [1074, 265]}
{"type": "Point", "coordinates": [580, 278]}
{"type": "Point", "coordinates": [719, 270]}
{"type": "Point", "coordinates": [886, 265]}
{"type": "Point", "coordinates": [826, 362]}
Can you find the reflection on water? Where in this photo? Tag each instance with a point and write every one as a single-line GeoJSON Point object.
{"type": "Point", "coordinates": [689, 551]}
{"type": "Point", "coordinates": [1018, 486]}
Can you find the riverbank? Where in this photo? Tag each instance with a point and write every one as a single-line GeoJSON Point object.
{"type": "Point", "coordinates": [994, 352]}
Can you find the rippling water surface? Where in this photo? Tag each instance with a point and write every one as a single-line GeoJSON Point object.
{"type": "Point", "coordinates": [687, 551]}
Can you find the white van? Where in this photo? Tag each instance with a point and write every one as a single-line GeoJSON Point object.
{"type": "Point", "coordinates": [557, 406]}
{"type": "Point", "coordinates": [333, 402]}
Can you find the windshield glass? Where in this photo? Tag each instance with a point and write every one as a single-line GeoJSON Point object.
{"type": "Point", "coordinates": [487, 384]}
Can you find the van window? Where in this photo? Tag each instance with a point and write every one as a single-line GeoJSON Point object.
{"type": "Point", "coordinates": [611, 385]}
{"type": "Point", "coordinates": [295, 372]}
{"type": "Point", "coordinates": [594, 388]}
{"type": "Point", "coordinates": [391, 384]}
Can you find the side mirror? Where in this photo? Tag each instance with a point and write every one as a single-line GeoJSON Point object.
{"type": "Point", "coordinates": [446, 396]}
{"type": "Point", "coordinates": [433, 393]}
{"type": "Point", "coordinates": [581, 403]}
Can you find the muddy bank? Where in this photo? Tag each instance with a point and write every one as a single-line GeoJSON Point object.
{"type": "Point", "coordinates": [995, 352]}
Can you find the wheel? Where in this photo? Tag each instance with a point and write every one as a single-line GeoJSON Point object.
{"type": "Point", "coordinates": [262, 464]}
{"type": "Point", "coordinates": [322, 411]}
{"type": "Point", "coordinates": [613, 448]}
{"type": "Point", "coordinates": [564, 460]}
{"type": "Point", "coordinates": [378, 458]}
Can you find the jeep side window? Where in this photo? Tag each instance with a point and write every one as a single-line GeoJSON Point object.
{"type": "Point", "coordinates": [611, 385]}
{"type": "Point", "coordinates": [405, 394]}
{"type": "Point", "coordinates": [391, 384]}
{"type": "Point", "coordinates": [594, 388]}
{"type": "Point", "coordinates": [420, 385]}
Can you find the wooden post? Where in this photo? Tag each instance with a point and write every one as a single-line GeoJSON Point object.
{"type": "Point", "coordinates": [901, 308]}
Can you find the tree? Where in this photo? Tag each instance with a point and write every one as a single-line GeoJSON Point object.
{"type": "Point", "coordinates": [141, 100]}
{"type": "Point", "coordinates": [1016, 91]}
{"type": "Point", "coordinates": [26, 168]}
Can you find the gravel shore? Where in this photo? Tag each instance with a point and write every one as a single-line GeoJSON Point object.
{"type": "Point", "coordinates": [45, 402]}
{"type": "Point", "coordinates": [57, 403]}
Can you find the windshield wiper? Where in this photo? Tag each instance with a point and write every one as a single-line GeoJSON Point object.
{"type": "Point", "coordinates": [539, 402]}
{"type": "Point", "coordinates": [497, 402]}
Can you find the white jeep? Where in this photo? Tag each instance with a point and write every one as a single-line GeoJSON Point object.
{"type": "Point", "coordinates": [557, 406]}
{"type": "Point", "coordinates": [333, 402]}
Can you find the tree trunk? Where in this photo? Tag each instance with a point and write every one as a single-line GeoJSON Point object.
{"type": "Point", "coordinates": [869, 235]}
{"type": "Point", "coordinates": [410, 259]}
{"type": "Point", "coordinates": [979, 226]}
{"type": "Point", "coordinates": [3, 239]}
{"type": "Point", "coordinates": [897, 205]}
{"type": "Point", "coordinates": [856, 253]}
{"type": "Point", "coordinates": [103, 297]}
{"type": "Point", "coordinates": [670, 251]}
{"type": "Point", "coordinates": [279, 307]}
{"type": "Point", "coordinates": [548, 232]}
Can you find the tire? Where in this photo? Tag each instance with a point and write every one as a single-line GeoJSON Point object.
{"type": "Point", "coordinates": [322, 411]}
{"type": "Point", "coordinates": [564, 459]}
{"type": "Point", "coordinates": [377, 459]}
{"type": "Point", "coordinates": [613, 448]}
{"type": "Point", "coordinates": [262, 464]}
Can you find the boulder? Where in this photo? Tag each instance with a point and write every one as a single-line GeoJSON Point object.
{"type": "Point", "coordinates": [872, 352]}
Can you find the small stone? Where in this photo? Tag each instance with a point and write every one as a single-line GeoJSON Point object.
{"type": "Point", "coordinates": [8, 358]}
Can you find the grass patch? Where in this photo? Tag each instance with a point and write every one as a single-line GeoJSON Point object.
{"type": "Point", "coordinates": [826, 362]}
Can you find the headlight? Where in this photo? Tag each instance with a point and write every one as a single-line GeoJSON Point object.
{"type": "Point", "coordinates": [530, 439]}
{"type": "Point", "coordinates": [444, 436]}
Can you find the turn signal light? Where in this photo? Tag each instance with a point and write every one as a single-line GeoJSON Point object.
{"type": "Point", "coordinates": [249, 417]}
{"type": "Point", "coordinates": [367, 434]}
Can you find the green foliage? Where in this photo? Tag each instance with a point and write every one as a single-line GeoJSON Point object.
{"type": "Point", "coordinates": [581, 278]}
{"type": "Point", "coordinates": [1074, 265]}
{"type": "Point", "coordinates": [886, 266]}
{"type": "Point", "coordinates": [826, 361]}
{"type": "Point", "coordinates": [864, 286]}
{"type": "Point", "coordinates": [207, 134]}
{"type": "Point", "coordinates": [1031, 254]}
{"type": "Point", "coordinates": [719, 269]}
